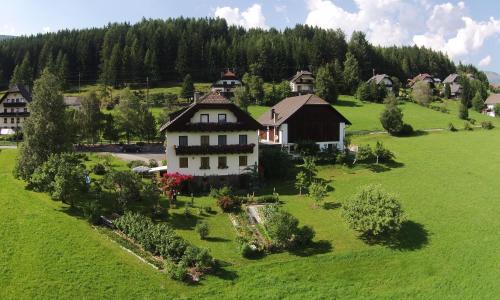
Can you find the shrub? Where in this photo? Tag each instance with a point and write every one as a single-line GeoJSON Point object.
{"type": "Point", "coordinates": [392, 119]}
{"type": "Point", "coordinates": [317, 191]}
{"type": "Point", "coordinates": [135, 163]}
{"type": "Point", "coordinates": [248, 250]}
{"type": "Point", "coordinates": [176, 271]}
{"type": "Point", "coordinates": [225, 191]}
{"type": "Point", "coordinates": [468, 126]}
{"type": "Point", "coordinates": [307, 148]}
{"type": "Point", "coordinates": [364, 153]}
{"type": "Point", "coordinates": [202, 229]}
{"type": "Point", "coordinates": [451, 127]}
{"type": "Point", "coordinates": [126, 186]}
{"type": "Point", "coordinates": [304, 236]}
{"type": "Point", "coordinates": [281, 227]}
{"type": "Point", "coordinates": [382, 154]}
{"type": "Point", "coordinates": [373, 212]}
{"type": "Point", "coordinates": [487, 125]}
{"type": "Point", "coordinates": [198, 258]}
{"type": "Point", "coordinates": [463, 112]}
{"type": "Point", "coordinates": [92, 212]}
{"type": "Point", "coordinates": [228, 204]}
{"type": "Point", "coordinates": [153, 163]}
{"type": "Point", "coordinates": [422, 93]}
{"type": "Point", "coordinates": [99, 169]}
{"type": "Point", "coordinates": [343, 158]}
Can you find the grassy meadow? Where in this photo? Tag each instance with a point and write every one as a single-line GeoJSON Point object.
{"type": "Point", "coordinates": [447, 183]}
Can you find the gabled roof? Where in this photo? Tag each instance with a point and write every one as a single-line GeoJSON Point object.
{"type": "Point", "coordinates": [289, 106]}
{"type": "Point", "coordinates": [420, 77]}
{"type": "Point", "coordinates": [379, 77]}
{"type": "Point", "coordinates": [493, 99]}
{"type": "Point", "coordinates": [180, 120]}
{"type": "Point", "coordinates": [299, 74]}
{"type": "Point", "coordinates": [451, 78]}
{"type": "Point", "coordinates": [455, 88]}
{"type": "Point", "coordinates": [17, 88]}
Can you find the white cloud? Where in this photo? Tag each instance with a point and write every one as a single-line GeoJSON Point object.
{"type": "Point", "coordinates": [485, 61]}
{"type": "Point", "coordinates": [444, 26]}
{"type": "Point", "coordinates": [46, 29]}
{"type": "Point", "coordinates": [252, 17]}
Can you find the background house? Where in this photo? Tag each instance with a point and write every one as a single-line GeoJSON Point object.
{"type": "Point", "coordinates": [382, 79]}
{"type": "Point", "coordinates": [212, 140]}
{"type": "Point", "coordinates": [492, 101]}
{"type": "Point", "coordinates": [73, 102]}
{"type": "Point", "coordinates": [455, 87]}
{"type": "Point", "coordinates": [302, 83]}
{"type": "Point", "coordinates": [422, 77]}
{"type": "Point", "coordinates": [303, 118]}
{"type": "Point", "coordinates": [14, 107]}
{"type": "Point", "coordinates": [227, 83]}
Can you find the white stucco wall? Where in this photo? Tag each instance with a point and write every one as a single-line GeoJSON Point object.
{"type": "Point", "coordinates": [213, 115]}
{"type": "Point", "coordinates": [12, 98]}
{"type": "Point", "coordinates": [194, 161]}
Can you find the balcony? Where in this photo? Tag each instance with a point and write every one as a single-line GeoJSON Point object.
{"type": "Point", "coordinates": [214, 126]}
{"type": "Point", "coordinates": [14, 114]}
{"type": "Point", "coordinates": [206, 150]}
{"type": "Point", "coordinates": [14, 104]}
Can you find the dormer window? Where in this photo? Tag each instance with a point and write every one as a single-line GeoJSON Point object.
{"type": "Point", "coordinates": [222, 118]}
{"type": "Point", "coordinates": [204, 118]}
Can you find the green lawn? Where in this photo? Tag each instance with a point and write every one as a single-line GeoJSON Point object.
{"type": "Point", "coordinates": [173, 88]}
{"type": "Point", "coordinates": [447, 182]}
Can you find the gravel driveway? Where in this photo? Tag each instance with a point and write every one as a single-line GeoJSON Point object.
{"type": "Point", "coordinates": [138, 156]}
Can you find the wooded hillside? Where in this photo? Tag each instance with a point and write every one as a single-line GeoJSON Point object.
{"type": "Point", "coordinates": [166, 50]}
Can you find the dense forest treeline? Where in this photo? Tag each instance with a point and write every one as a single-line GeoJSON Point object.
{"type": "Point", "coordinates": [166, 50]}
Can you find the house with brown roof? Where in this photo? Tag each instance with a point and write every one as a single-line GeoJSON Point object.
{"type": "Point", "coordinates": [303, 118]}
{"type": "Point", "coordinates": [213, 140]}
{"type": "Point", "coordinates": [302, 83]}
{"type": "Point", "coordinates": [421, 77]}
{"type": "Point", "coordinates": [227, 83]}
{"type": "Point", "coordinates": [455, 87]}
{"type": "Point", "coordinates": [491, 102]}
{"type": "Point", "coordinates": [382, 79]}
{"type": "Point", "coordinates": [14, 107]}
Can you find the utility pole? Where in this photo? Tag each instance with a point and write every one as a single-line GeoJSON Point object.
{"type": "Point", "coordinates": [79, 83]}
{"type": "Point", "coordinates": [147, 90]}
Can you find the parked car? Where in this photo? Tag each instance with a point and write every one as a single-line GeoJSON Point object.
{"type": "Point", "coordinates": [131, 148]}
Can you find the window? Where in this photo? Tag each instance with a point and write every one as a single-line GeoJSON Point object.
{"type": "Point", "coordinates": [243, 139]}
{"type": "Point", "coordinates": [205, 163]}
{"type": "Point", "coordinates": [222, 162]}
{"type": "Point", "coordinates": [222, 118]}
{"type": "Point", "coordinates": [183, 140]}
{"type": "Point", "coordinates": [5, 110]}
{"type": "Point", "coordinates": [5, 120]}
{"type": "Point", "coordinates": [222, 140]}
{"type": "Point", "coordinates": [12, 120]}
{"type": "Point", "coordinates": [183, 162]}
{"type": "Point", "coordinates": [205, 140]}
{"type": "Point", "coordinates": [204, 118]}
{"type": "Point", "coordinates": [17, 120]}
{"type": "Point", "coordinates": [25, 109]}
{"type": "Point", "coordinates": [243, 161]}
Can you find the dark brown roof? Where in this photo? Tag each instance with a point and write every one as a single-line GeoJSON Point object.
{"type": "Point", "coordinates": [420, 77]}
{"type": "Point", "coordinates": [289, 106]}
{"type": "Point", "coordinates": [17, 88]}
{"type": "Point", "coordinates": [180, 121]}
{"type": "Point", "coordinates": [299, 74]}
{"type": "Point", "coordinates": [493, 99]}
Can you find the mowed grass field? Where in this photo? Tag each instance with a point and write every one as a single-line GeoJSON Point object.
{"type": "Point", "coordinates": [447, 183]}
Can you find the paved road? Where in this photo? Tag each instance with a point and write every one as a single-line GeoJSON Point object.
{"type": "Point", "coordinates": [138, 156]}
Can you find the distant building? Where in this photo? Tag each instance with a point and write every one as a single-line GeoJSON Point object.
{"type": "Point", "coordinates": [421, 77]}
{"type": "Point", "coordinates": [302, 83]}
{"type": "Point", "coordinates": [453, 80]}
{"type": "Point", "coordinates": [227, 83]}
{"type": "Point", "coordinates": [303, 118]}
{"type": "Point", "coordinates": [492, 101]}
{"type": "Point", "coordinates": [14, 107]}
{"type": "Point", "coordinates": [212, 140]}
{"type": "Point", "coordinates": [382, 79]}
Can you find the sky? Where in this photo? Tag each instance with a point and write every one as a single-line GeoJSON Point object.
{"type": "Point", "coordinates": [467, 31]}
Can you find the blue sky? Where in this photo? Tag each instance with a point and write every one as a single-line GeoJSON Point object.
{"type": "Point", "coordinates": [467, 31]}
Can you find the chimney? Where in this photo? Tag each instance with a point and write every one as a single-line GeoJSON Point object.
{"type": "Point", "coordinates": [273, 115]}
{"type": "Point", "coordinates": [196, 97]}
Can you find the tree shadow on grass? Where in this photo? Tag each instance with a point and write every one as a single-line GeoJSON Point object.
{"type": "Point", "coordinates": [223, 273]}
{"type": "Point", "coordinates": [415, 133]}
{"type": "Point", "coordinates": [331, 205]}
{"type": "Point", "coordinates": [412, 236]}
{"type": "Point", "coordinates": [216, 239]}
{"type": "Point", "coordinates": [315, 248]}
{"type": "Point", "coordinates": [181, 221]}
{"type": "Point", "coordinates": [347, 103]}
{"type": "Point", "coordinates": [384, 167]}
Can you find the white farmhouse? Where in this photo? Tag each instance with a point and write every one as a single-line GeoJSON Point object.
{"type": "Point", "coordinates": [14, 108]}
{"type": "Point", "coordinates": [492, 101]}
{"type": "Point", "coordinates": [227, 83]}
{"type": "Point", "coordinates": [382, 79]}
{"type": "Point", "coordinates": [212, 140]}
{"type": "Point", "coordinates": [302, 83]}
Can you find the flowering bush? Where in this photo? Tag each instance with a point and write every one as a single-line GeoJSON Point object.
{"type": "Point", "coordinates": [173, 181]}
